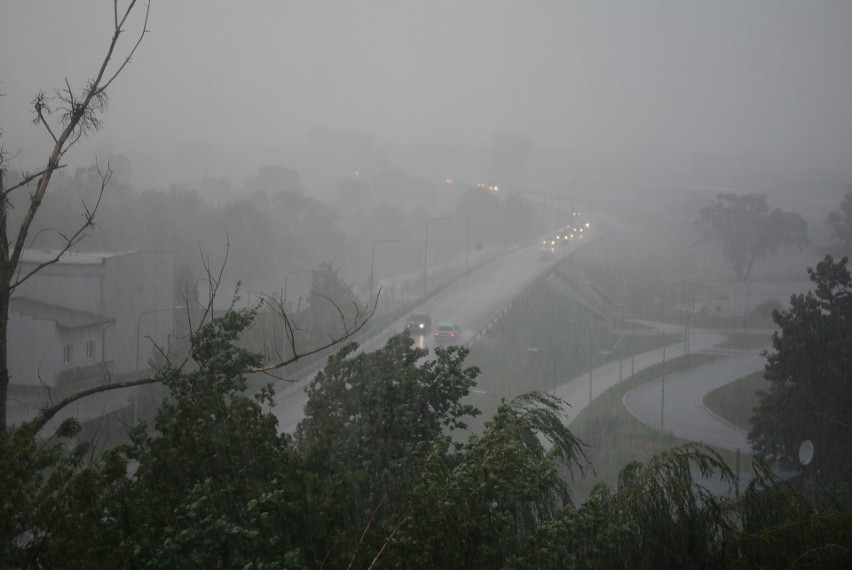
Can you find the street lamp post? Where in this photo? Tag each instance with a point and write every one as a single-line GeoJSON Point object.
{"type": "Point", "coordinates": [590, 383]}
{"type": "Point", "coordinates": [591, 356]}
{"type": "Point", "coordinates": [426, 249]}
{"type": "Point", "coordinates": [467, 244]}
{"type": "Point", "coordinates": [372, 262]}
{"type": "Point", "coordinates": [663, 391]}
{"type": "Point", "coordinates": [633, 344]}
{"type": "Point", "coordinates": [506, 225]}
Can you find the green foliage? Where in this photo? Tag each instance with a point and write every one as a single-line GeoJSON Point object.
{"type": "Point", "coordinates": [370, 418]}
{"type": "Point", "coordinates": [735, 402]}
{"type": "Point", "coordinates": [481, 507]}
{"type": "Point", "coordinates": [659, 516]}
{"type": "Point", "coordinates": [202, 535]}
{"type": "Point", "coordinates": [783, 527]}
{"type": "Point", "coordinates": [748, 230]}
{"type": "Point", "coordinates": [54, 500]}
{"type": "Point", "coordinates": [808, 369]}
{"type": "Point", "coordinates": [387, 399]}
{"type": "Point", "coordinates": [373, 479]}
{"type": "Point", "coordinates": [217, 486]}
{"type": "Point", "coordinates": [681, 521]}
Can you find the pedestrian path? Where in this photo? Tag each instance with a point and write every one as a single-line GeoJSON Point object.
{"type": "Point", "coordinates": [679, 406]}
{"type": "Point", "coordinates": [580, 391]}
{"type": "Point", "coordinates": [676, 403]}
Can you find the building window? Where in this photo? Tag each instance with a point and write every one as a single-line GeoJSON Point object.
{"type": "Point", "coordinates": [67, 352]}
{"type": "Point", "coordinates": [90, 350]}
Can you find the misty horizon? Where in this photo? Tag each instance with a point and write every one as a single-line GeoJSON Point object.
{"type": "Point", "coordinates": [750, 94]}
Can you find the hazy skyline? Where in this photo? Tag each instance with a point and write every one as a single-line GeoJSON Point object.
{"type": "Point", "coordinates": [768, 78]}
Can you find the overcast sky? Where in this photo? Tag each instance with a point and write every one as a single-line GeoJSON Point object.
{"type": "Point", "coordinates": [773, 76]}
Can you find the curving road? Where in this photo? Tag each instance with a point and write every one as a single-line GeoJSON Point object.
{"type": "Point", "coordinates": [683, 410]}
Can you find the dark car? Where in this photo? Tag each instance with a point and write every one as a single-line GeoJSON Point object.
{"type": "Point", "coordinates": [448, 332]}
{"type": "Point", "coordinates": [418, 323]}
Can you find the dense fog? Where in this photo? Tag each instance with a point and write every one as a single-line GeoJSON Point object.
{"type": "Point", "coordinates": [369, 108]}
{"type": "Point", "coordinates": [596, 232]}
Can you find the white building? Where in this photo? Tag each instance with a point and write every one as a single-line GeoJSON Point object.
{"type": "Point", "coordinates": [89, 318]}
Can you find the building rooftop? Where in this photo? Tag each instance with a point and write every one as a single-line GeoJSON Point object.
{"type": "Point", "coordinates": [64, 317]}
{"type": "Point", "coordinates": [71, 257]}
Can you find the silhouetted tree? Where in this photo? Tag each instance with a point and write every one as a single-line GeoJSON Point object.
{"type": "Point", "coordinates": [810, 397]}
{"type": "Point", "coordinates": [841, 224]}
{"type": "Point", "coordinates": [748, 230]}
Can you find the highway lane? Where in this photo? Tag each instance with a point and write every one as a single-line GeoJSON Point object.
{"type": "Point", "coordinates": [473, 302]}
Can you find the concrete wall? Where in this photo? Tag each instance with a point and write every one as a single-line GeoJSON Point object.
{"type": "Point", "coordinates": [137, 289]}
{"type": "Point", "coordinates": [36, 350]}
{"type": "Point", "coordinates": [76, 286]}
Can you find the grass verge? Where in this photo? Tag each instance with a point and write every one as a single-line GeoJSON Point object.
{"type": "Point", "coordinates": [745, 341]}
{"type": "Point", "coordinates": [735, 402]}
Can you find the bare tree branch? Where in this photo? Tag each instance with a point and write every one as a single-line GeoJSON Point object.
{"type": "Point", "coordinates": [49, 412]}
{"type": "Point", "coordinates": [75, 238]}
{"type": "Point", "coordinates": [28, 179]}
{"type": "Point", "coordinates": [119, 26]}
{"type": "Point", "coordinates": [78, 115]}
{"type": "Point", "coordinates": [351, 327]}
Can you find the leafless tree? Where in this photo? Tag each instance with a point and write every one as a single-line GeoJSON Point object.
{"type": "Point", "coordinates": [66, 115]}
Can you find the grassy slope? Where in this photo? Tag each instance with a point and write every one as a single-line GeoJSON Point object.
{"type": "Point", "coordinates": [735, 402]}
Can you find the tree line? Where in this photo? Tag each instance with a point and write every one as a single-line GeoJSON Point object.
{"type": "Point", "coordinates": [377, 475]}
